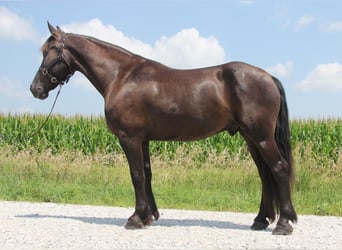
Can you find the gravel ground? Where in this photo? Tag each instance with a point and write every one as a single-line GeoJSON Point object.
{"type": "Point", "coordinates": [59, 226]}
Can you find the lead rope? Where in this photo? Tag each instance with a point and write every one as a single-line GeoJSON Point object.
{"type": "Point", "coordinates": [47, 118]}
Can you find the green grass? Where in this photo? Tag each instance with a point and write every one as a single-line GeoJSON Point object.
{"type": "Point", "coordinates": [100, 180]}
{"type": "Point", "coordinates": [76, 160]}
{"type": "Point", "coordinates": [64, 178]}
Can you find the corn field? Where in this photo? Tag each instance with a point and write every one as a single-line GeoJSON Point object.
{"type": "Point", "coordinates": [89, 135]}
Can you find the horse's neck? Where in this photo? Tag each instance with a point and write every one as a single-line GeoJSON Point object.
{"type": "Point", "coordinates": [100, 62]}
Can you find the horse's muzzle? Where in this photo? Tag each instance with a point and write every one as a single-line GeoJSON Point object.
{"type": "Point", "coordinates": [39, 92]}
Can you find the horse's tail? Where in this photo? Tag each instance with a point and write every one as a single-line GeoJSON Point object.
{"type": "Point", "coordinates": [282, 137]}
{"type": "Point", "coordinates": [282, 133]}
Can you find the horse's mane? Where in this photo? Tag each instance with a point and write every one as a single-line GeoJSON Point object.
{"type": "Point", "coordinates": [104, 43]}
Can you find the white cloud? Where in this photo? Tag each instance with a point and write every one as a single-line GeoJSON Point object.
{"type": "Point", "coordinates": [12, 88]}
{"type": "Point", "coordinates": [186, 49]}
{"type": "Point", "coordinates": [303, 22]}
{"type": "Point", "coordinates": [332, 27]}
{"type": "Point", "coordinates": [246, 2]}
{"type": "Point", "coordinates": [280, 69]}
{"type": "Point", "coordinates": [324, 77]}
{"type": "Point", "coordinates": [14, 27]}
{"type": "Point", "coordinates": [109, 33]}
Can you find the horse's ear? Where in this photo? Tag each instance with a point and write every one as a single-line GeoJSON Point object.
{"type": "Point", "coordinates": [54, 32]}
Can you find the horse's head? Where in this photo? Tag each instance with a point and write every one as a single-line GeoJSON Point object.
{"type": "Point", "coordinates": [56, 65]}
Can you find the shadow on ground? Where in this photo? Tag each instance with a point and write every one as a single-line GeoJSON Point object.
{"type": "Point", "coordinates": [162, 222]}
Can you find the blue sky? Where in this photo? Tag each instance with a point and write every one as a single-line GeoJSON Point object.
{"type": "Point", "coordinates": [299, 42]}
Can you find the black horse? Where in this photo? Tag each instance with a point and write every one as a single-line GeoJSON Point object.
{"type": "Point", "coordinates": [145, 100]}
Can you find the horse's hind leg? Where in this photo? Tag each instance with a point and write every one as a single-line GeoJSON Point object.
{"type": "Point", "coordinates": [282, 193]}
{"type": "Point", "coordinates": [148, 179]}
{"type": "Point", "coordinates": [273, 170]}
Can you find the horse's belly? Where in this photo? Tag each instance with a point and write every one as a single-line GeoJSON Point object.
{"type": "Point", "coordinates": [185, 129]}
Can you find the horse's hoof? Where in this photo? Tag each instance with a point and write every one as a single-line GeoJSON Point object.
{"type": "Point", "coordinates": [134, 224]}
{"type": "Point", "coordinates": [156, 215]}
{"type": "Point", "coordinates": [148, 221]}
{"type": "Point", "coordinates": [259, 225]}
{"type": "Point", "coordinates": [283, 229]}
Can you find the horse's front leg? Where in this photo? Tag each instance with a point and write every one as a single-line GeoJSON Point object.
{"type": "Point", "coordinates": [143, 214]}
{"type": "Point", "coordinates": [148, 179]}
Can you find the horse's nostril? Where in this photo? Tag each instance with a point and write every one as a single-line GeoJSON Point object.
{"type": "Point", "coordinates": [38, 92]}
{"type": "Point", "coordinates": [36, 89]}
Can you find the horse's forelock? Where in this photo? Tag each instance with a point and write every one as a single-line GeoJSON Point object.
{"type": "Point", "coordinates": [45, 46]}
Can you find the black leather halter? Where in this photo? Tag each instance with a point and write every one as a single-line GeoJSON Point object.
{"type": "Point", "coordinates": [45, 70]}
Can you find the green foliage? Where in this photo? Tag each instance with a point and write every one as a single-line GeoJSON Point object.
{"type": "Point", "coordinates": [60, 134]}
{"type": "Point", "coordinates": [90, 135]}
{"type": "Point", "coordinates": [323, 137]}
